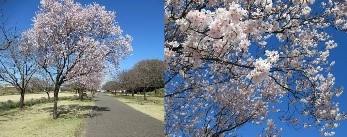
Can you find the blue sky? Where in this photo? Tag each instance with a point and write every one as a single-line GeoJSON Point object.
{"type": "Point", "coordinates": [142, 20]}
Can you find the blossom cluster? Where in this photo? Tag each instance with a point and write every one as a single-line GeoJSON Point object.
{"type": "Point", "coordinates": [76, 40]}
{"type": "Point", "coordinates": [240, 58]}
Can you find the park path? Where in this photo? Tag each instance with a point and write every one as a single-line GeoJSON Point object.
{"type": "Point", "coordinates": [112, 118]}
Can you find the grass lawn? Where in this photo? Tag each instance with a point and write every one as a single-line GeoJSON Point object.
{"type": "Point", "coordinates": [153, 107]}
{"type": "Point", "coordinates": [37, 121]}
{"type": "Point", "coordinates": [15, 98]}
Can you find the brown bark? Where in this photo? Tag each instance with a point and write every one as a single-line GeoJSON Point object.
{"type": "Point", "coordinates": [48, 95]}
{"type": "Point", "coordinates": [55, 103]}
{"type": "Point", "coordinates": [21, 101]}
{"type": "Point", "coordinates": [144, 95]}
{"type": "Point", "coordinates": [93, 92]}
{"type": "Point", "coordinates": [80, 94]}
{"type": "Point", "coordinates": [132, 93]}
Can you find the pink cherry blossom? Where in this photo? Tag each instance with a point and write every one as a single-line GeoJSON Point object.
{"type": "Point", "coordinates": [231, 61]}
{"type": "Point", "coordinates": [76, 41]}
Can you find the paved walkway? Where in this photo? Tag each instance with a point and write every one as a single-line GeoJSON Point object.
{"type": "Point", "coordinates": [112, 118]}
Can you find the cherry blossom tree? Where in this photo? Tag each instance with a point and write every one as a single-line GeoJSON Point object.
{"type": "Point", "coordinates": [17, 64]}
{"type": "Point", "coordinates": [93, 82]}
{"type": "Point", "coordinates": [232, 62]}
{"type": "Point", "coordinates": [40, 84]}
{"type": "Point", "coordinates": [75, 40]}
{"type": "Point", "coordinates": [90, 82]}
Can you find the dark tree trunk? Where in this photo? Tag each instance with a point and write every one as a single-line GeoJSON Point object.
{"type": "Point", "coordinates": [80, 94]}
{"type": "Point", "coordinates": [132, 93]}
{"type": "Point", "coordinates": [55, 102]}
{"type": "Point", "coordinates": [48, 95]}
{"type": "Point", "coordinates": [93, 92]}
{"type": "Point", "coordinates": [144, 94]}
{"type": "Point", "coordinates": [21, 101]}
{"type": "Point", "coordinates": [115, 93]}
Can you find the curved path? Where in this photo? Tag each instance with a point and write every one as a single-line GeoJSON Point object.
{"type": "Point", "coordinates": [112, 118]}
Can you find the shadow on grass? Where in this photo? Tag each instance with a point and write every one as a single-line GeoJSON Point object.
{"type": "Point", "coordinates": [7, 116]}
{"type": "Point", "coordinates": [74, 110]}
{"type": "Point", "coordinates": [64, 111]}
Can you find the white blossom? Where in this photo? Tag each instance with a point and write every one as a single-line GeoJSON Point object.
{"type": "Point", "coordinates": [239, 58]}
{"type": "Point", "coordinates": [273, 56]}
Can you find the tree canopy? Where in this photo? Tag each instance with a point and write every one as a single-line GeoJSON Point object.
{"type": "Point", "coordinates": [144, 74]}
{"type": "Point", "coordinates": [75, 41]}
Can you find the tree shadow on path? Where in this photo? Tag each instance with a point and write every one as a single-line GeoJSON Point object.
{"type": "Point", "coordinates": [74, 110]}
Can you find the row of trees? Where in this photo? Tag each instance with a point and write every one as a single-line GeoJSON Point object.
{"type": "Point", "coordinates": [145, 75]}
{"type": "Point", "coordinates": [68, 43]}
{"type": "Point", "coordinates": [44, 84]}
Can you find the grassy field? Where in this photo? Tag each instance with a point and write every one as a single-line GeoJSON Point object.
{"type": "Point", "coordinates": [15, 98]}
{"type": "Point", "coordinates": [8, 91]}
{"type": "Point", "coordinates": [36, 121]}
{"type": "Point", "coordinates": [153, 107]}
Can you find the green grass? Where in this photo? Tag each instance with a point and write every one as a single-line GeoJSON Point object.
{"type": "Point", "coordinates": [153, 106]}
{"type": "Point", "coordinates": [36, 121]}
